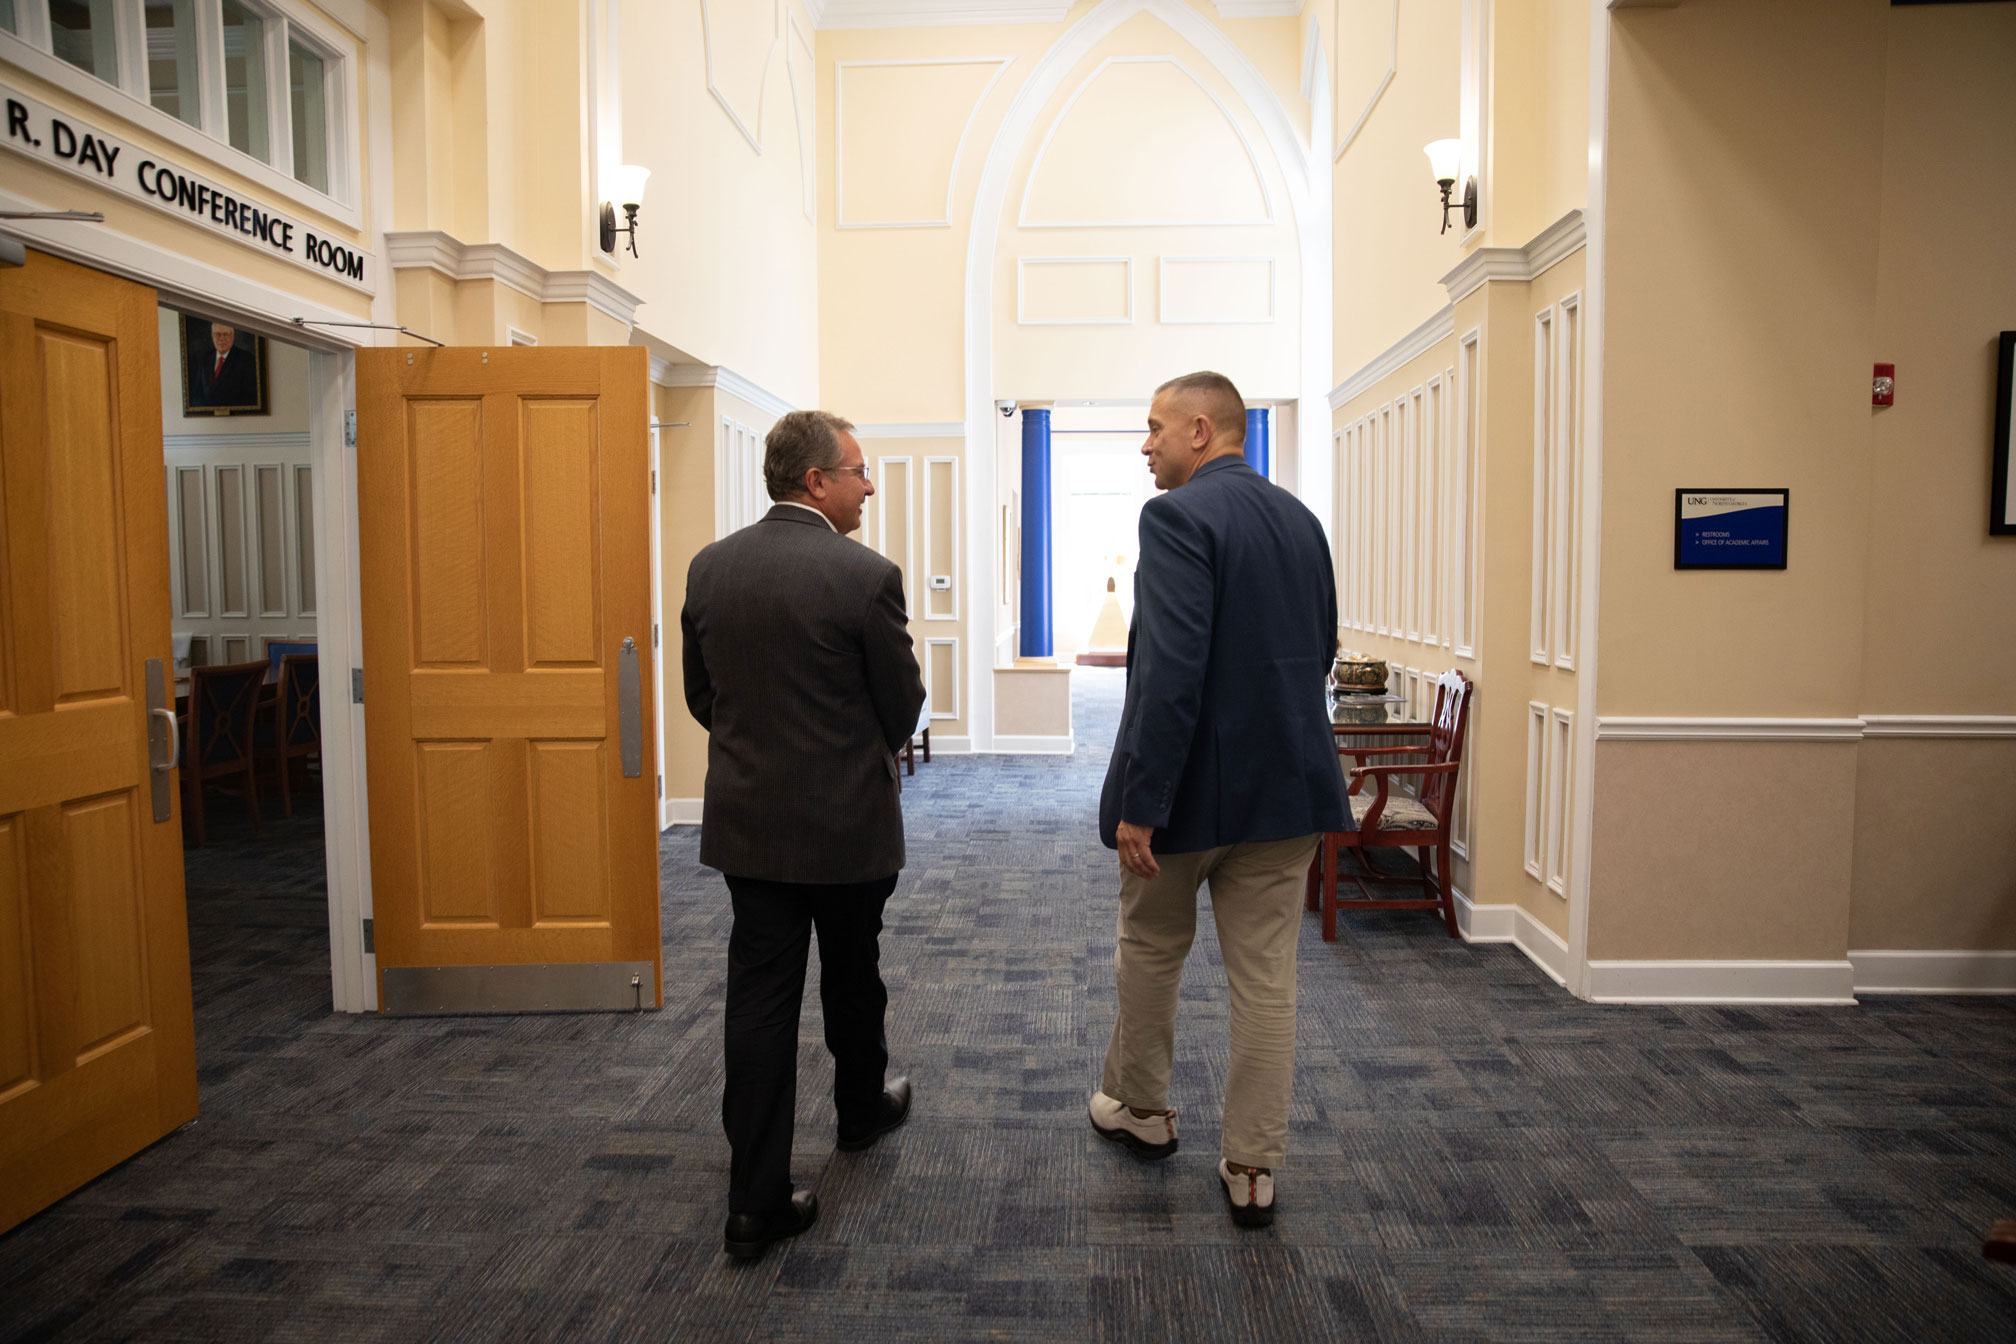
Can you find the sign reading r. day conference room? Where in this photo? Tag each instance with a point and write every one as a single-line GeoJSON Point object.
{"type": "Point", "coordinates": [67, 142]}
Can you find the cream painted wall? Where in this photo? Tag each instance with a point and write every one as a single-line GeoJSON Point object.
{"type": "Point", "coordinates": [1738, 342]}
{"type": "Point", "coordinates": [1143, 142]}
{"type": "Point", "coordinates": [1942, 592]}
{"type": "Point", "coordinates": [1389, 260]}
{"type": "Point", "coordinates": [892, 299]}
{"type": "Point", "coordinates": [728, 269]}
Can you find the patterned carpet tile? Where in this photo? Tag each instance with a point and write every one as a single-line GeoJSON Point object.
{"type": "Point", "coordinates": [1474, 1155]}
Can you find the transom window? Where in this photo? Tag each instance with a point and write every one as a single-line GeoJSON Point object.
{"type": "Point", "coordinates": [248, 73]}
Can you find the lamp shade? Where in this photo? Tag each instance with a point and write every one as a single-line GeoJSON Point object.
{"type": "Point", "coordinates": [1446, 156]}
{"type": "Point", "coordinates": [626, 183]}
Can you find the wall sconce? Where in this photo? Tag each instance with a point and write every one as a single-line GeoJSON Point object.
{"type": "Point", "coordinates": [626, 187]}
{"type": "Point", "coordinates": [1446, 156]}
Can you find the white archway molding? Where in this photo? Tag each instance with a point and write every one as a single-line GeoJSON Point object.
{"type": "Point", "coordinates": [1308, 181]}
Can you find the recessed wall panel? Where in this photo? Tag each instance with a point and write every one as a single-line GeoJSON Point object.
{"type": "Point", "coordinates": [17, 991]}
{"type": "Point", "coordinates": [101, 854]}
{"type": "Point", "coordinates": [269, 508]}
{"type": "Point", "coordinates": [941, 536]}
{"type": "Point", "coordinates": [445, 467]}
{"type": "Point", "coordinates": [1216, 291]}
{"type": "Point", "coordinates": [194, 530]}
{"type": "Point", "coordinates": [570, 861]}
{"type": "Point", "coordinates": [230, 515]}
{"type": "Point", "coordinates": [452, 794]}
{"type": "Point", "coordinates": [304, 538]}
{"type": "Point", "coordinates": [557, 442]}
{"type": "Point", "coordinates": [84, 553]}
{"type": "Point", "coordinates": [1074, 291]}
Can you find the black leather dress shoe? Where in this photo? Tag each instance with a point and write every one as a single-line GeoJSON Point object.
{"type": "Point", "coordinates": [891, 1110]}
{"type": "Point", "coordinates": [748, 1235]}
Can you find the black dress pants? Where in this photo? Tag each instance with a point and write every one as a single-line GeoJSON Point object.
{"type": "Point", "coordinates": [766, 985]}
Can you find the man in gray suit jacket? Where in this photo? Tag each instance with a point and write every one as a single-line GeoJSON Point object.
{"type": "Point", "coordinates": [799, 665]}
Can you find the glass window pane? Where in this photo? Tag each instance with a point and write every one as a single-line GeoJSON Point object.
{"type": "Point", "coordinates": [171, 58]}
{"type": "Point", "coordinates": [306, 95]}
{"type": "Point", "coordinates": [7, 19]}
{"type": "Point", "coordinates": [80, 31]}
{"type": "Point", "coordinates": [245, 79]}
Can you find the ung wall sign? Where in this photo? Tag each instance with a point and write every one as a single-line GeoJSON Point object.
{"type": "Point", "coordinates": [67, 142]}
{"type": "Point", "coordinates": [1729, 529]}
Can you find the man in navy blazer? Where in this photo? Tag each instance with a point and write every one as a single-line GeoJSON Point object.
{"type": "Point", "coordinates": [1224, 773]}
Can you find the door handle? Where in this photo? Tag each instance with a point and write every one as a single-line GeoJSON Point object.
{"type": "Point", "coordinates": [160, 713]}
{"type": "Point", "coordinates": [630, 709]}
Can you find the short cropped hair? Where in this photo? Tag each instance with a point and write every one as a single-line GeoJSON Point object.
{"type": "Point", "coordinates": [795, 445]}
{"type": "Point", "coordinates": [1223, 405]}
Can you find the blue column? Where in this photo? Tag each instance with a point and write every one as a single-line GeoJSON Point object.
{"type": "Point", "coordinates": [1036, 585]}
{"type": "Point", "coordinates": [1257, 455]}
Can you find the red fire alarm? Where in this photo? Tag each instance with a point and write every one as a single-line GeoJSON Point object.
{"type": "Point", "coordinates": [1883, 391]}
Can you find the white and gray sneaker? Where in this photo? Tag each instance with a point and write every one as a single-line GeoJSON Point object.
{"type": "Point", "coordinates": [1151, 1138]}
{"type": "Point", "coordinates": [1249, 1197]}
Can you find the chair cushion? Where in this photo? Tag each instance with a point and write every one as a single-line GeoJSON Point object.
{"type": "Point", "coordinates": [1402, 813]}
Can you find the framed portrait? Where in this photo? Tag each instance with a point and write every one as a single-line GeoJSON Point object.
{"type": "Point", "coordinates": [223, 369]}
{"type": "Point", "coordinates": [2001, 507]}
{"type": "Point", "coordinates": [1730, 529]}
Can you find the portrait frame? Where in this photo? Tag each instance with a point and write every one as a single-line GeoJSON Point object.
{"type": "Point", "coordinates": [2001, 507]}
{"type": "Point", "coordinates": [242, 390]}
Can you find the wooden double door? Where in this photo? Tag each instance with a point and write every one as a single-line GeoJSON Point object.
{"type": "Point", "coordinates": [504, 525]}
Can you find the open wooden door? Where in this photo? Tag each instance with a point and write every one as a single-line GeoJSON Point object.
{"type": "Point", "coordinates": [97, 1040]}
{"type": "Point", "coordinates": [503, 509]}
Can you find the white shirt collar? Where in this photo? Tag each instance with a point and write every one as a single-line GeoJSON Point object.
{"type": "Point", "coordinates": [794, 504]}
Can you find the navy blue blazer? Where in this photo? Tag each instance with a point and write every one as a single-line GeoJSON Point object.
{"type": "Point", "coordinates": [1225, 737]}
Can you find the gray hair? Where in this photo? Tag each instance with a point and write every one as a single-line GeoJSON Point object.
{"type": "Point", "coordinates": [1224, 407]}
{"type": "Point", "coordinates": [796, 444]}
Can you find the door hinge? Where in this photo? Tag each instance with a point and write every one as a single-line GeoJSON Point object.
{"type": "Point", "coordinates": [654, 480]}
{"type": "Point", "coordinates": [349, 429]}
{"type": "Point", "coordinates": [370, 941]}
{"type": "Point", "coordinates": [661, 786]}
{"type": "Point", "coordinates": [356, 685]}
{"type": "Point", "coordinates": [654, 634]}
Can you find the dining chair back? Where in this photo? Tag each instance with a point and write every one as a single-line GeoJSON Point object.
{"type": "Point", "coordinates": [219, 742]}
{"type": "Point", "coordinates": [294, 730]}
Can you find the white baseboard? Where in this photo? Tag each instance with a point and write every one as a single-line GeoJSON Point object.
{"type": "Point", "coordinates": [678, 812]}
{"type": "Point", "coordinates": [1934, 972]}
{"type": "Point", "coordinates": [950, 746]}
{"type": "Point", "coordinates": [1008, 744]}
{"type": "Point", "coordinates": [1784, 982]}
{"type": "Point", "coordinates": [1513, 924]}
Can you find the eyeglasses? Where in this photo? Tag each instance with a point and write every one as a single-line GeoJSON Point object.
{"type": "Point", "coordinates": [862, 472]}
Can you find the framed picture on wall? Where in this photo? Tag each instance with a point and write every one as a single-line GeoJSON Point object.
{"type": "Point", "coordinates": [1730, 529]}
{"type": "Point", "coordinates": [2001, 506]}
{"type": "Point", "coordinates": [223, 369]}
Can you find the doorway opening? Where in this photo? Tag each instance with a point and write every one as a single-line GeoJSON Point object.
{"type": "Point", "coordinates": [1099, 481]}
{"type": "Point", "coordinates": [245, 605]}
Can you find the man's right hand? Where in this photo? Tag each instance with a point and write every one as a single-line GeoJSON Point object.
{"type": "Point", "coordinates": [1135, 855]}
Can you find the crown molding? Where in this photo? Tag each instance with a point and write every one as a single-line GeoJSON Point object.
{"type": "Point", "coordinates": [1547, 248]}
{"type": "Point", "coordinates": [444, 254]}
{"type": "Point", "coordinates": [1414, 344]}
{"type": "Point", "coordinates": [936, 13]}
{"type": "Point", "coordinates": [667, 374]}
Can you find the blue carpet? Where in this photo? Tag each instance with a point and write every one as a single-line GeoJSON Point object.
{"type": "Point", "coordinates": [1475, 1155]}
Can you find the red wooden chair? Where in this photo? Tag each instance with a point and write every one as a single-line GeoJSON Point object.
{"type": "Point", "coordinates": [218, 745]}
{"type": "Point", "coordinates": [1388, 820]}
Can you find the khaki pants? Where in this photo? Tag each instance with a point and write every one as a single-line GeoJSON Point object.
{"type": "Point", "coordinates": [1256, 897]}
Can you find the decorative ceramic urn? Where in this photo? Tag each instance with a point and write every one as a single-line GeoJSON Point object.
{"type": "Point", "coordinates": [1358, 672]}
